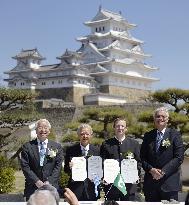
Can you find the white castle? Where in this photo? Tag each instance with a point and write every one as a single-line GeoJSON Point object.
{"type": "Point", "coordinates": [108, 68]}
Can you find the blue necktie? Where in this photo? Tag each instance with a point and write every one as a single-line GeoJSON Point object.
{"type": "Point", "coordinates": [42, 153]}
{"type": "Point", "coordinates": [158, 140]}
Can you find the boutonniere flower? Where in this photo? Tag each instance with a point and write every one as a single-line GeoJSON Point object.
{"type": "Point", "coordinates": [166, 143]}
{"type": "Point", "coordinates": [128, 155]}
{"type": "Point", "coordinates": [52, 153]}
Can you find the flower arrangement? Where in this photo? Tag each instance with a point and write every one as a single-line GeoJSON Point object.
{"type": "Point", "coordinates": [128, 155]}
{"type": "Point", "coordinates": [51, 153]}
{"type": "Point", "coordinates": [166, 143]}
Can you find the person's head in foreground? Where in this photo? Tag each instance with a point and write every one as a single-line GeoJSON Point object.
{"type": "Point", "coordinates": [42, 197]}
{"type": "Point", "coordinates": [53, 191]}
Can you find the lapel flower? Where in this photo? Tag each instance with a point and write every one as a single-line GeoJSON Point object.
{"type": "Point", "coordinates": [166, 143]}
{"type": "Point", "coordinates": [128, 155]}
{"type": "Point", "coordinates": [52, 153]}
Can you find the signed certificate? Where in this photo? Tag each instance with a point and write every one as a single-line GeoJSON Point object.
{"type": "Point", "coordinates": [95, 167]}
{"type": "Point", "coordinates": [129, 171]}
{"type": "Point", "coordinates": [111, 169]}
{"type": "Point", "coordinates": [79, 172]}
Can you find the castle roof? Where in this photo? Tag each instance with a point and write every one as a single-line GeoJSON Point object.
{"type": "Point", "coordinates": [106, 15]}
{"type": "Point", "coordinates": [29, 53]}
{"type": "Point", "coordinates": [119, 35]}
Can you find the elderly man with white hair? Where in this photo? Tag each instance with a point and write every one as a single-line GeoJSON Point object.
{"type": "Point", "coordinates": [41, 160]}
{"type": "Point", "coordinates": [84, 190]}
{"type": "Point", "coordinates": [162, 154]}
{"type": "Point", "coordinates": [42, 197]}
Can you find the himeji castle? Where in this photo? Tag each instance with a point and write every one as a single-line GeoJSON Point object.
{"type": "Point", "coordinates": [108, 68]}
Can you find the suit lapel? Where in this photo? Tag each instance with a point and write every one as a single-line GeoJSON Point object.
{"type": "Point", "coordinates": [78, 151]}
{"type": "Point", "coordinates": [90, 152]}
{"type": "Point", "coordinates": [35, 150]}
{"type": "Point", "coordinates": [153, 141]}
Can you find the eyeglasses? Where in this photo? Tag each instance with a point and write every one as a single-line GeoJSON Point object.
{"type": "Point", "coordinates": [42, 128]}
{"type": "Point", "coordinates": [84, 134]}
{"type": "Point", "coordinates": [160, 116]}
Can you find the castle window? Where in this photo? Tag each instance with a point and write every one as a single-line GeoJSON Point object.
{"type": "Point", "coordinates": [96, 29]}
{"type": "Point", "coordinates": [99, 28]}
{"type": "Point", "coordinates": [103, 28]}
{"type": "Point", "coordinates": [53, 82]}
{"type": "Point", "coordinates": [15, 84]}
{"type": "Point", "coordinates": [43, 83]}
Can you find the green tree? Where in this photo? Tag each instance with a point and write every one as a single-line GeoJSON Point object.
{"type": "Point", "coordinates": [101, 119]}
{"type": "Point", "coordinates": [178, 98]}
{"type": "Point", "coordinates": [178, 101]}
{"type": "Point", "coordinates": [105, 116]}
{"type": "Point", "coordinates": [16, 110]}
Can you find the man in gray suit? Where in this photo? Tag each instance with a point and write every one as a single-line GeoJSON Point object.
{"type": "Point", "coordinates": [41, 160]}
{"type": "Point", "coordinates": [162, 154]}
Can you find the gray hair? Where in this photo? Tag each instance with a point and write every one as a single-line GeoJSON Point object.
{"type": "Point", "coordinates": [42, 197]}
{"type": "Point", "coordinates": [43, 120]}
{"type": "Point", "coordinates": [163, 109]}
{"type": "Point", "coordinates": [87, 126]}
{"type": "Point", "coordinates": [53, 191]}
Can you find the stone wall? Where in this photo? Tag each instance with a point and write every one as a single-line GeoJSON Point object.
{"type": "Point", "coordinates": [65, 94]}
{"type": "Point", "coordinates": [78, 94]}
{"type": "Point", "coordinates": [132, 95]}
{"type": "Point", "coordinates": [75, 94]}
{"type": "Point", "coordinates": [72, 94]}
{"type": "Point", "coordinates": [58, 117]}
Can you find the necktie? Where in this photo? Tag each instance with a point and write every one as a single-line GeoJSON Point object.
{"type": "Point", "coordinates": [42, 153]}
{"type": "Point", "coordinates": [84, 152]}
{"type": "Point", "coordinates": [158, 140]}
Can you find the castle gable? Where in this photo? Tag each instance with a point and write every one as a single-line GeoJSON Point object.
{"type": "Point", "coordinates": [92, 55]}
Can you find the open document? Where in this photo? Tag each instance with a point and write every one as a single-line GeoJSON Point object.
{"type": "Point", "coordinates": [79, 171]}
{"type": "Point", "coordinates": [95, 167]}
{"type": "Point", "coordinates": [111, 169]}
{"type": "Point", "coordinates": [129, 171]}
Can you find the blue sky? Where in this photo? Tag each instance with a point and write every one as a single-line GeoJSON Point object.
{"type": "Point", "coordinates": [53, 25]}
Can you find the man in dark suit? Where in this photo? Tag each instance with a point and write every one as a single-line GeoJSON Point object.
{"type": "Point", "coordinates": [118, 148]}
{"type": "Point", "coordinates": [41, 160]}
{"type": "Point", "coordinates": [162, 154]}
{"type": "Point", "coordinates": [85, 191]}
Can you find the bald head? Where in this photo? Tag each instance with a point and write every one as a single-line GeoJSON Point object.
{"type": "Point", "coordinates": [42, 197]}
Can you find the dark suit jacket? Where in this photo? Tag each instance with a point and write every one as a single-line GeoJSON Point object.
{"type": "Point", "coordinates": [112, 149]}
{"type": "Point", "coordinates": [30, 165]}
{"type": "Point", "coordinates": [168, 159]}
{"type": "Point", "coordinates": [78, 187]}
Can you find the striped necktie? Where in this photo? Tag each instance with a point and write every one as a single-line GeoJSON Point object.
{"type": "Point", "coordinates": [42, 153]}
{"type": "Point", "coordinates": [158, 140]}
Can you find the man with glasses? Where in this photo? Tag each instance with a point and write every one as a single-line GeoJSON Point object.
{"type": "Point", "coordinates": [84, 190]}
{"type": "Point", "coordinates": [41, 160]}
{"type": "Point", "coordinates": [162, 154]}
